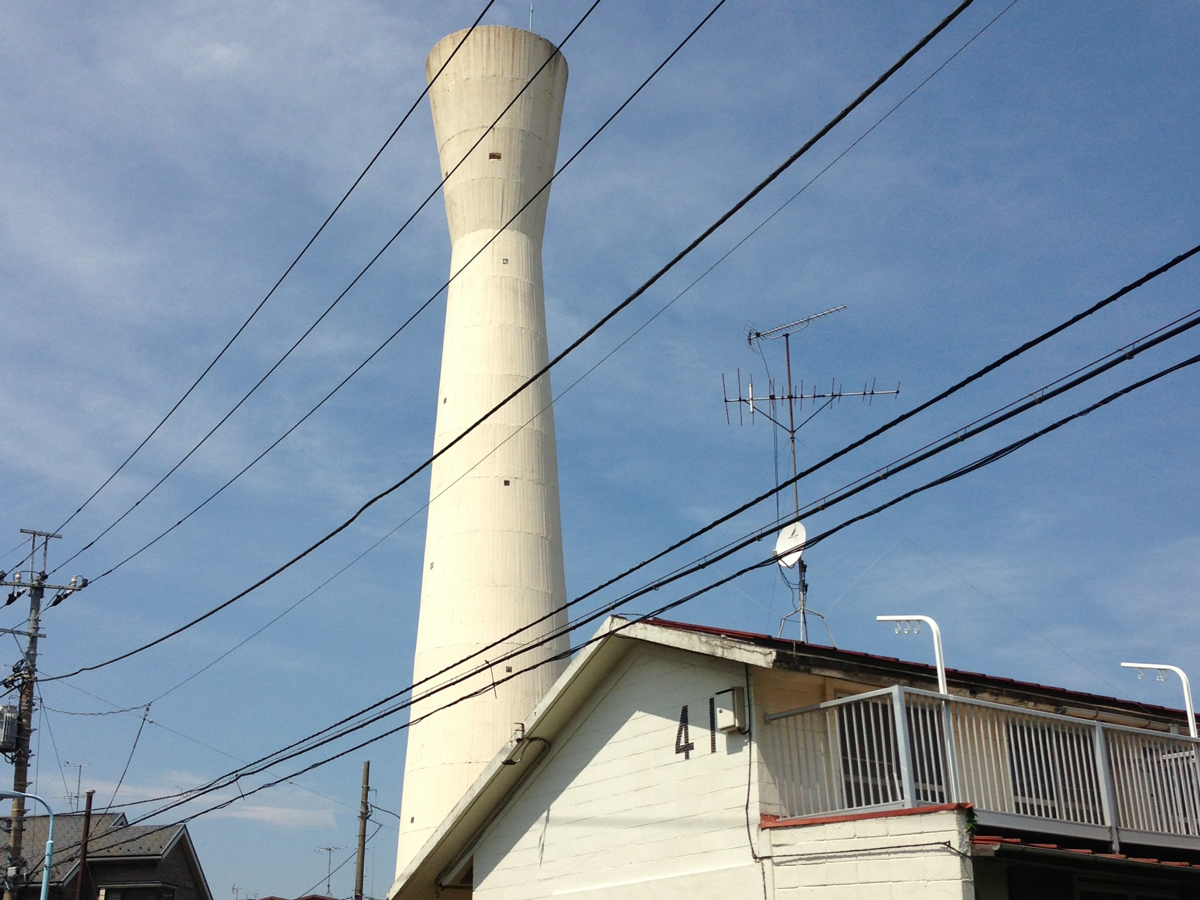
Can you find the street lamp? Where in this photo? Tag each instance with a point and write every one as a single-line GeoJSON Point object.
{"type": "Point", "coordinates": [1163, 669]}
{"type": "Point", "coordinates": [13, 795]}
{"type": "Point", "coordinates": [913, 624]}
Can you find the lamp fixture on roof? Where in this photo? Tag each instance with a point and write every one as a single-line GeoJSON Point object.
{"type": "Point", "coordinates": [1163, 669]}
{"type": "Point", "coordinates": [913, 624]}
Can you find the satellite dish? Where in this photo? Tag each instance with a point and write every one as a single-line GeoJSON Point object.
{"type": "Point", "coordinates": [790, 545]}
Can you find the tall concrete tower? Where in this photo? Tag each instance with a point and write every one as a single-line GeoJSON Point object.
{"type": "Point", "coordinates": [493, 549]}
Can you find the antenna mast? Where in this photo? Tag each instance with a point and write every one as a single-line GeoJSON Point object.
{"type": "Point", "coordinates": [791, 541]}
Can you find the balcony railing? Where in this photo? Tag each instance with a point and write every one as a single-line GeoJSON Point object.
{"type": "Point", "coordinates": [1021, 769]}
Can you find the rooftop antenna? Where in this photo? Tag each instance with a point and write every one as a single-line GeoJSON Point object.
{"type": "Point", "coordinates": [73, 799]}
{"type": "Point", "coordinates": [788, 549]}
{"type": "Point", "coordinates": [790, 545]}
{"type": "Point", "coordinates": [531, 15]}
{"type": "Point", "coordinates": [328, 851]}
{"type": "Point", "coordinates": [792, 395]}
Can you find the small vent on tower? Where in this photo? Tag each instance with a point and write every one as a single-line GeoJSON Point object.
{"type": "Point", "coordinates": [493, 155]}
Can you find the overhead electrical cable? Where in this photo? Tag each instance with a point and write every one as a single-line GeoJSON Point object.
{"type": "Point", "coordinates": [943, 395]}
{"type": "Point", "coordinates": [125, 771]}
{"type": "Point", "coordinates": [317, 322]}
{"type": "Point", "coordinates": [1065, 384]}
{"type": "Point", "coordinates": [286, 273]}
{"type": "Point", "coordinates": [588, 371]}
{"type": "Point", "coordinates": [1059, 386]}
{"type": "Point", "coordinates": [905, 416]}
{"type": "Point", "coordinates": [682, 254]}
{"type": "Point", "coordinates": [187, 737]}
{"type": "Point", "coordinates": [429, 301]}
{"type": "Point", "coordinates": [974, 466]}
{"type": "Point", "coordinates": [955, 438]}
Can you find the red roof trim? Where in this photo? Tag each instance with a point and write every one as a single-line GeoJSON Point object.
{"type": "Point", "coordinates": [991, 840]}
{"type": "Point", "coordinates": [892, 660]}
{"type": "Point", "coordinates": [768, 821]}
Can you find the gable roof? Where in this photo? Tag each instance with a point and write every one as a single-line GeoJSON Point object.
{"type": "Point", "coordinates": [111, 838]}
{"type": "Point", "coordinates": [448, 848]}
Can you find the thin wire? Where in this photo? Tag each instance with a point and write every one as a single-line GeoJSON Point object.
{"type": "Point", "coordinates": [318, 321]}
{"type": "Point", "coordinates": [761, 186]}
{"type": "Point", "coordinates": [974, 466]}
{"type": "Point", "coordinates": [110, 712]}
{"type": "Point", "coordinates": [978, 464]}
{"type": "Point", "coordinates": [1006, 412]}
{"type": "Point", "coordinates": [1012, 613]}
{"type": "Point", "coordinates": [187, 737]}
{"type": "Point", "coordinates": [137, 737]}
{"type": "Point", "coordinates": [37, 758]}
{"type": "Point", "coordinates": [53, 744]}
{"type": "Point", "coordinates": [287, 272]}
{"type": "Point", "coordinates": [427, 303]}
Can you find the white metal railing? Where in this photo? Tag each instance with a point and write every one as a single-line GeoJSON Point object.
{"type": "Point", "coordinates": [905, 747]}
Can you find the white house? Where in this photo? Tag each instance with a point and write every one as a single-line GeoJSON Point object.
{"type": "Point", "coordinates": [672, 760]}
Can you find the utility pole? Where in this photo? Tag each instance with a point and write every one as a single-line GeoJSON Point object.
{"type": "Point", "coordinates": [83, 847]}
{"type": "Point", "coordinates": [364, 813]}
{"type": "Point", "coordinates": [25, 674]}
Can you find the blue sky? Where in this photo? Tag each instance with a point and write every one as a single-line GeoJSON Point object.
{"type": "Point", "coordinates": [164, 164]}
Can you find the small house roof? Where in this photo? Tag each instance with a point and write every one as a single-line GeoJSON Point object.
{"type": "Point", "coordinates": [448, 847]}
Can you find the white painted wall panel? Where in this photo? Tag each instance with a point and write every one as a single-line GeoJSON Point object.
{"type": "Point", "coordinates": [614, 810]}
{"type": "Point", "coordinates": [902, 857]}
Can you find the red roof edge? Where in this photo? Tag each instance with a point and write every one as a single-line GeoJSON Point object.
{"type": "Point", "coordinates": [769, 821]}
{"type": "Point", "coordinates": [999, 680]}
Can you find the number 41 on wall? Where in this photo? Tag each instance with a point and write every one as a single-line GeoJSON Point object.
{"type": "Point", "coordinates": [726, 713]}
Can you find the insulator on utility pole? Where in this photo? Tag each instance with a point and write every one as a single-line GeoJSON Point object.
{"type": "Point", "coordinates": [25, 673]}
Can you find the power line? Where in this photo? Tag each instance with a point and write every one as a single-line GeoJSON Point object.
{"type": "Point", "coordinates": [125, 771]}
{"type": "Point", "coordinates": [590, 369]}
{"type": "Point", "coordinates": [433, 297]}
{"type": "Point", "coordinates": [1116, 358]}
{"type": "Point", "coordinates": [974, 466]}
{"type": "Point", "coordinates": [1047, 392]}
{"type": "Point", "coordinates": [318, 321]}
{"type": "Point", "coordinates": [287, 272]}
{"type": "Point", "coordinates": [682, 254]}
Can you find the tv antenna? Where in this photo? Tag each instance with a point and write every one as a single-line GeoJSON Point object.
{"type": "Point", "coordinates": [790, 546]}
{"type": "Point", "coordinates": [328, 851]}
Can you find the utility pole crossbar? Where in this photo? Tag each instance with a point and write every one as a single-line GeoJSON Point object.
{"type": "Point", "coordinates": [24, 677]}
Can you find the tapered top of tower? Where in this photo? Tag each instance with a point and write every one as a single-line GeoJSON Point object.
{"type": "Point", "coordinates": [497, 107]}
{"type": "Point", "coordinates": [494, 50]}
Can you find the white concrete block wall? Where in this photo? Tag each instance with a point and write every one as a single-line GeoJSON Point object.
{"type": "Point", "coordinates": [892, 858]}
{"type": "Point", "coordinates": [614, 811]}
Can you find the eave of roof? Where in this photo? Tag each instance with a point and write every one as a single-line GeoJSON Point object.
{"type": "Point", "coordinates": [789, 652]}
{"type": "Point", "coordinates": [987, 846]}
